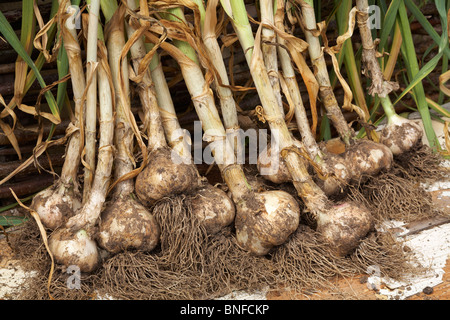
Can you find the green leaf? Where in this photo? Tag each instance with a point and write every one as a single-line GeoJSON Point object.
{"type": "Point", "coordinates": [41, 58]}
{"type": "Point", "coordinates": [415, 11]}
{"type": "Point", "coordinates": [9, 221]}
{"type": "Point", "coordinates": [415, 74]}
{"type": "Point", "coordinates": [430, 65]}
{"type": "Point", "coordinates": [27, 30]}
{"type": "Point", "coordinates": [388, 22]}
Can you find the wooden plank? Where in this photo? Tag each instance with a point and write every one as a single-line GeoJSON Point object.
{"type": "Point", "coordinates": [418, 226]}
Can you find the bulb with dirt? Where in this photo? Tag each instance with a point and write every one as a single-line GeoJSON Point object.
{"type": "Point", "coordinates": [401, 135]}
{"type": "Point", "coordinates": [266, 220]}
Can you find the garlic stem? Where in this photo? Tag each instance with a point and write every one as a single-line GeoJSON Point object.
{"type": "Point", "coordinates": [94, 201]}
{"type": "Point", "coordinates": [54, 205]}
{"type": "Point", "coordinates": [291, 82]}
{"type": "Point", "coordinates": [379, 87]}
{"type": "Point", "coordinates": [156, 138]}
{"type": "Point", "coordinates": [388, 108]}
{"type": "Point", "coordinates": [326, 93]}
{"type": "Point", "coordinates": [312, 195]}
{"type": "Point", "coordinates": [91, 97]}
{"type": "Point", "coordinates": [174, 133]}
{"type": "Point", "coordinates": [269, 49]}
{"type": "Point", "coordinates": [224, 93]}
{"type": "Point", "coordinates": [204, 104]}
{"type": "Point", "coordinates": [123, 136]}
{"type": "Point", "coordinates": [73, 152]}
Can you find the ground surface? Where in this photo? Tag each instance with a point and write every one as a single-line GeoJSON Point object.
{"type": "Point", "coordinates": [357, 287]}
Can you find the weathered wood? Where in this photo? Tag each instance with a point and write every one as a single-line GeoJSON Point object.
{"type": "Point", "coordinates": [13, 9]}
{"type": "Point", "coordinates": [24, 188]}
{"type": "Point", "coordinates": [56, 160]}
{"type": "Point", "coordinates": [419, 226]}
{"type": "Point", "coordinates": [7, 82]}
{"type": "Point", "coordinates": [30, 134]}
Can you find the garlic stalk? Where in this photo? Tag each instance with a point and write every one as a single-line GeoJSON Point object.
{"type": "Point", "coordinates": [332, 167]}
{"type": "Point", "coordinates": [364, 157]}
{"type": "Point", "coordinates": [94, 201]}
{"type": "Point", "coordinates": [74, 244]}
{"type": "Point", "coordinates": [208, 21]}
{"type": "Point", "coordinates": [91, 97]}
{"type": "Point", "coordinates": [269, 49]}
{"type": "Point", "coordinates": [399, 134]}
{"type": "Point", "coordinates": [162, 176]}
{"type": "Point", "coordinates": [312, 195]}
{"type": "Point", "coordinates": [123, 135]}
{"type": "Point", "coordinates": [125, 223]}
{"type": "Point", "coordinates": [57, 203]}
{"type": "Point", "coordinates": [326, 93]}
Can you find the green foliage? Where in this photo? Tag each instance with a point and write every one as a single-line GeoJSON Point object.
{"type": "Point", "coordinates": [401, 13]}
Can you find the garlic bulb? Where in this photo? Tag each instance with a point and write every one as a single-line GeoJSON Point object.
{"type": "Point", "coordinates": [400, 134]}
{"type": "Point", "coordinates": [165, 176]}
{"type": "Point", "coordinates": [335, 174]}
{"type": "Point", "coordinates": [55, 204]}
{"type": "Point", "coordinates": [344, 226]}
{"type": "Point", "coordinates": [213, 207]}
{"type": "Point", "coordinates": [126, 224]}
{"type": "Point", "coordinates": [272, 167]}
{"type": "Point", "coordinates": [74, 248]}
{"type": "Point", "coordinates": [260, 229]}
{"type": "Point", "coordinates": [367, 158]}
